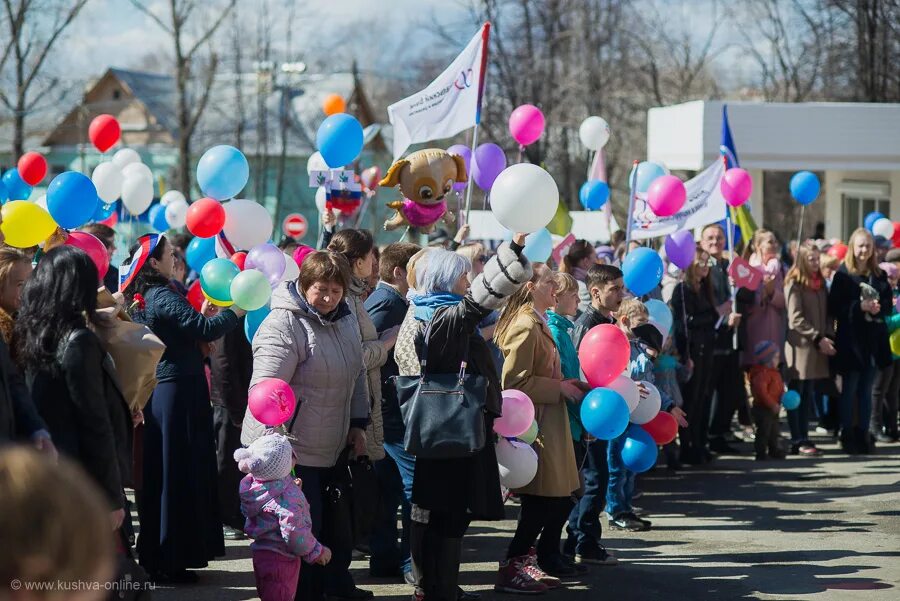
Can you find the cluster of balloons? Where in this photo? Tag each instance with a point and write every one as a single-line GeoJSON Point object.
{"type": "Point", "coordinates": [16, 185]}
{"type": "Point", "coordinates": [271, 401]}
{"type": "Point", "coordinates": [526, 124]}
{"type": "Point", "coordinates": [128, 178]}
{"type": "Point", "coordinates": [515, 458]}
{"type": "Point", "coordinates": [880, 225]}
{"type": "Point", "coordinates": [524, 198]}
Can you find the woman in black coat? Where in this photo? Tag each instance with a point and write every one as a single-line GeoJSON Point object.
{"type": "Point", "coordinates": [74, 382]}
{"type": "Point", "coordinates": [695, 317]}
{"type": "Point", "coordinates": [178, 504]}
{"type": "Point", "coordinates": [448, 493]}
{"type": "Point", "coordinates": [859, 300]}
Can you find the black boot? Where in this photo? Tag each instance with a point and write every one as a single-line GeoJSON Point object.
{"type": "Point", "coordinates": [865, 440]}
{"type": "Point", "coordinates": [419, 540]}
{"type": "Point", "coordinates": [849, 443]}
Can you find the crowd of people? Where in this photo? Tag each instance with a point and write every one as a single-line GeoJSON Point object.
{"type": "Point", "coordinates": [204, 469]}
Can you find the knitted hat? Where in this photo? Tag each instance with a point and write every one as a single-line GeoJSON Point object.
{"type": "Point", "coordinates": [763, 352]}
{"type": "Point", "coordinates": [882, 242]}
{"type": "Point", "coordinates": [269, 457]}
{"type": "Point", "coordinates": [649, 334]}
{"type": "Point", "coordinates": [301, 253]}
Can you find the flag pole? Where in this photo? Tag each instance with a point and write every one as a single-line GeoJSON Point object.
{"type": "Point", "coordinates": [730, 233]}
{"type": "Point", "coordinates": [631, 198]}
{"type": "Point", "coordinates": [485, 36]}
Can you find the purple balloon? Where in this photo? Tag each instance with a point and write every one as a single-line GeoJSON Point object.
{"type": "Point", "coordinates": [268, 259]}
{"type": "Point", "coordinates": [680, 248]}
{"type": "Point", "coordinates": [488, 162]}
{"type": "Point", "coordinates": [466, 153]}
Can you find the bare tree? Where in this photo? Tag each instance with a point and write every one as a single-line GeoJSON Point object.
{"type": "Point", "coordinates": [178, 25]}
{"type": "Point", "coordinates": [284, 114]}
{"type": "Point", "coordinates": [34, 28]}
{"type": "Point", "coordinates": [869, 32]}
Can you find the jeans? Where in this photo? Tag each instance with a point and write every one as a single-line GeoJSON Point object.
{"type": "Point", "coordinates": [621, 480]}
{"type": "Point", "coordinates": [857, 394]}
{"type": "Point", "coordinates": [395, 479]}
{"type": "Point", "coordinates": [798, 419]}
{"type": "Point", "coordinates": [584, 519]}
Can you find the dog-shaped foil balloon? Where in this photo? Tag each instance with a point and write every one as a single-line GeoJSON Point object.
{"type": "Point", "coordinates": [425, 178]}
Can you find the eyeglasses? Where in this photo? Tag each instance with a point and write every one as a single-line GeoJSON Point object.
{"type": "Point", "coordinates": [483, 258]}
{"type": "Point", "coordinates": [710, 262]}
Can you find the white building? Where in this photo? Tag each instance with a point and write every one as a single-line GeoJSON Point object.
{"type": "Point", "coordinates": [856, 146]}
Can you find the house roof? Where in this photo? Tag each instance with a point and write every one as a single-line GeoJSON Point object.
{"type": "Point", "coordinates": [155, 91]}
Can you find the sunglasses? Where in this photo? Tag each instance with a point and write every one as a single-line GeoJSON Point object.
{"type": "Point", "coordinates": [482, 258]}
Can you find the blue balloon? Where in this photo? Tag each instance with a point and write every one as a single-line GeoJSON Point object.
{"type": "Point", "coordinates": [104, 211]}
{"type": "Point", "coordinates": [604, 413]}
{"type": "Point", "coordinates": [200, 251]}
{"type": "Point", "coordinates": [340, 140]}
{"type": "Point", "coordinates": [4, 193]}
{"type": "Point", "coordinates": [871, 218]}
{"type": "Point", "coordinates": [646, 173]}
{"type": "Point", "coordinates": [72, 199]}
{"type": "Point", "coordinates": [639, 451]}
{"type": "Point", "coordinates": [222, 172]}
{"type": "Point", "coordinates": [642, 270]}
{"type": "Point", "coordinates": [593, 194]}
{"type": "Point", "coordinates": [804, 187]}
{"type": "Point", "coordinates": [157, 214]}
{"type": "Point", "coordinates": [660, 314]}
{"type": "Point", "coordinates": [253, 320]}
{"type": "Point", "coordinates": [538, 246]}
{"type": "Point", "coordinates": [790, 400]}
{"type": "Point", "coordinates": [16, 188]}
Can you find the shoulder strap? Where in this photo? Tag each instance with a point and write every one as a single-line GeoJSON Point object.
{"type": "Point", "coordinates": [424, 359]}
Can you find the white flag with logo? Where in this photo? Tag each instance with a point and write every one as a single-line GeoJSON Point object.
{"type": "Point", "coordinates": [704, 205]}
{"type": "Point", "coordinates": [447, 106]}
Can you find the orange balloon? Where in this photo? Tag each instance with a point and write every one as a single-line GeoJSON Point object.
{"type": "Point", "coordinates": [334, 104]}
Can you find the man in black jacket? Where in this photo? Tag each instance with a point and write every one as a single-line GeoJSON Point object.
{"type": "Point", "coordinates": [19, 418]}
{"type": "Point", "coordinates": [387, 306]}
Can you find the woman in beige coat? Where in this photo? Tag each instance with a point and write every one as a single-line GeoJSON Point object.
{"type": "Point", "coordinates": [809, 341]}
{"type": "Point", "coordinates": [532, 365]}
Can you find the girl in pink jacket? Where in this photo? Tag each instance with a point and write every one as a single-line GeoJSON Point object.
{"type": "Point", "coordinates": [278, 518]}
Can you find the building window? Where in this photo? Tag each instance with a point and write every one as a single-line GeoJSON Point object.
{"type": "Point", "coordinates": [858, 199]}
{"type": "Point", "coordinates": [117, 94]}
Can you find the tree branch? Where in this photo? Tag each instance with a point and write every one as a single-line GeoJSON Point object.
{"type": "Point", "coordinates": [144, 9]}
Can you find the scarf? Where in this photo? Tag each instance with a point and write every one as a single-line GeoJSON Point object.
{"type": "Point", "coordinates": [357, 287]}
{"type": "Point", "coordinates": [815, 282]}
{"type": "Point", "coordinates": [579, 274]}
{"type": "Point", "coordinates": [426, 305]}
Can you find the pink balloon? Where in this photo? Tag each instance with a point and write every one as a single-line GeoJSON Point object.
{"type": "Point", "coordinates": [604, 354]}
{"type": "Point", "coordinates": [666, 195]}
{"type": "Point", "coordinates": [271, 402]}
{"type": "Point", "coordinates": [526, 124]}
{"type": "Point", "coordinates": [518, 414]}
{"type": "Point", "coordinates": [736, 186]}
{"type": "Point", "coordinates": [94, 249]}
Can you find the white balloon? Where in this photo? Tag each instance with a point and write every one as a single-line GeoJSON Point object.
{"type": "Point", "coordinates": [648, 406]}
{"type": "Point", "coordinates": [594, 133]}
{"type": "Point", "coordinates": [176, 213]}
{"type": "Point", "coordinates": [172, 196]}
{"type": "Point", "coordinates": [108, 180]}
{"type": "Point", "coordinates": [883, 227]}
{"type": "Point", "coordinates": [524, 198]}
{"type": "Point", "coordinates": [138, 170]}
{"type": "Point", "coordinates": [517, 463]}
{"type": "Point", "coordinates": [320, 199]}
{"type": "Point", "coordinates": [247, 223]}
{"type": "Point", "coordinates": [125, 156]}
{"type": "Point", "coordinates": [628, 389]}
{"type": "Point", "coordinates": [137, 194]}
{"type": "Point", "coordinates": [291, 269]}
{"type": "Point", "coordinates": [316, 163]}
{"type": "Point", "coordinates": [42, 202]}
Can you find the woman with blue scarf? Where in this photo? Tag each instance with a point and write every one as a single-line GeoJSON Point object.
{"type": "Point", "coordinates": [449, 493]}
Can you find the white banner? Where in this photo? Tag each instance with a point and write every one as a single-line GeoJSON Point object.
{"type": "Point", "coordinates": [446, 107]}
{"type": "Point", "coordinates": [704, 205]}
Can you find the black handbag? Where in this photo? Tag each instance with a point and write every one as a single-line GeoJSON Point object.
{"type": "Point", "coordinates": [443, 413]}
{"type": "Point", "coordinates": [350, 494]}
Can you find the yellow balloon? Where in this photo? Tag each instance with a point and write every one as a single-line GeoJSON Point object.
{"type": "Point", "coordinates": [217, 303]}
{"type": "Point", "coordinates": [895, 342]}
{"type": "Point", "coordinates": [25, 224]}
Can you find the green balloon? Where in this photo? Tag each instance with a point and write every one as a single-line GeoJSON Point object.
{"type": "Point", "coordinates": [250, 290]}
{"type": "Point", "coordinates": [216, 277]}
{"type": "Point", "coordinates": [530, 435]}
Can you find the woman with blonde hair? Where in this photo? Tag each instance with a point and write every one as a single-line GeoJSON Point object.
{"type": "Point", "coordinates": [809, 341]}
{"type": "Point", "coordinates": [476, 255]}
{"type": "Point", "coordinates": [860, 299]}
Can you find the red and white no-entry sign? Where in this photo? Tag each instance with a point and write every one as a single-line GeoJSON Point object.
{"type": "Point", "coordinates": [295, 225]}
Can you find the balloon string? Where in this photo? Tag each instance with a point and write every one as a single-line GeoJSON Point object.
{"type": "Point", "coordinates": [521, 152]}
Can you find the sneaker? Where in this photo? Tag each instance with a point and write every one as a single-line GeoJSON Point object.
{"type": "Point", "coordinates": [808, 450]}
{"type": "Point", "coordinates": [409, 579]}
{"type": "Point", "coordinates": [233, 533]}
{"type": "Point", "coordinates": [597, 555]}
{"type": "Point", "coordinates": [513, 578]}
{"type": "Point", "coordinates": [354, 594]}
{"type": "Point", "coordinates": [821, 430]}
{"type": "Point", "coordinates": [538, 573]}
{"type": "Point", "coordinates": [625, 521]}
{"type": "Point", "coordinates": [462, 595]}
{"type": "Point", "coordinates": [557, 568]}
{"type": "Point", "coordinates": [647, 523]}
{"type": "Point", "coordinates": [881, 437]}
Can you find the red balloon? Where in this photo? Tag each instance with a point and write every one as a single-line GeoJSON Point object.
{"type": "Point", "coordinates": [239, 258]}
{"type": "Point", "coordinates": [663, 428]}
{"type": "Point", "coordinates": [94, 249]}
{"type": "Point", "coordinates": [604, 354]}
{"type": "Point", "coordinates": [195, 296]}
{"type": "Point", "coordinates": [205, 218]}
{"type": "Point", "coordinates": [896, 237]}
{"type": "Point", "coordinates": [839, 251]}
{"type": "Point", "coordinates": [104, 132]}
{"type": "Point", "coordinates": [32, 167]}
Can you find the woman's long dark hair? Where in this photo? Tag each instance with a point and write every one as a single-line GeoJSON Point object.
{"type": "Point", "coordinates": [147, 277]}
{"type": "Point", "coordinates": [60, 297]}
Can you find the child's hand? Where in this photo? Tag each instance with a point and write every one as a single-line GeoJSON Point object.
{"type": "Point", "coordinates": [325, 557]}
{"type": "Point", "coordinates": [574, 389]}
{"type": "Point", "coordinates": [680, 416]}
